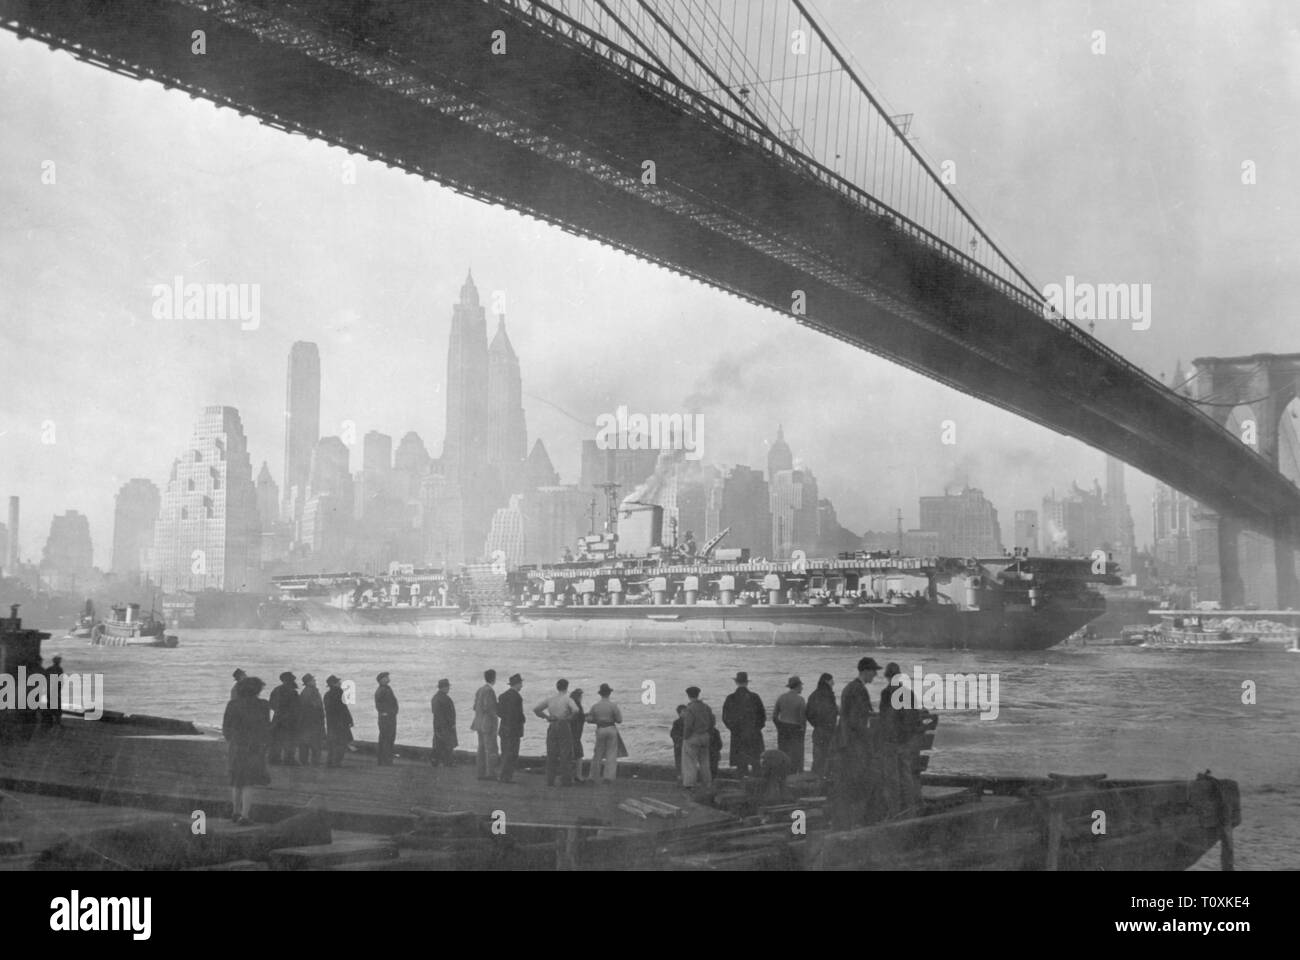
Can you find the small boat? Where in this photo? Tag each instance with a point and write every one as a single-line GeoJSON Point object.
{"type": "Point", "coordinates": [1190, 633]}
{"type": "Point", "coordinates": [85, 622]}
{"type": "Point", "coordinates": [126, 628]}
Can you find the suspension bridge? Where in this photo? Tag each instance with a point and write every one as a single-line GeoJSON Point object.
{"type": "Point", "coordinates": [731, 141]}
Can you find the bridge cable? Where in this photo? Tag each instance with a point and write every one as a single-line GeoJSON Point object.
{"type": "Point", "coordinates": [638, 41]}
{"type": "Point", "coordinates": [901, 139]}
{"type": "Point", "coordinates": [704, 66]}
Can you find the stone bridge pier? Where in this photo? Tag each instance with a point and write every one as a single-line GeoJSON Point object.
{"type": "Point", "coordinates": [1239, 564]}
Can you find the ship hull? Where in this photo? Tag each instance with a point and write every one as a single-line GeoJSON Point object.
{"type": "Point", "coordinates": [943, 627]}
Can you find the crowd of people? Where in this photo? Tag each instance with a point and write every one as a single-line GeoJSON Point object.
{"type": "Point", "coordinates": [865, 754]}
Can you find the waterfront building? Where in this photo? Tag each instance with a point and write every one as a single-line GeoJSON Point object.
{"type": "Point", "coordinates": [554, 518]}
{"type": "Point", "coordinates": [444, 525]}
{"type": "Point", "coordinates": [684, 496]}
{"type": "Point", "coordinates": [1173, 519]}
{"type": "Point", "coordinates": [507, 432]}
{"type": "Point", "coordinates": [910, 543]}
{"type": "Point", "coordinates": [325, 532]}
{"type": "Point", "coordinates": [627, 468]}
{"type": "Point", "coordinates": [411, 464]}
{"type": "Point", "coordinates": [1076, 524]}
{"type": "Point", "coordinates": [740, 500]}
{"type": "Point", "coordinates": [268, 498]}
{"type": "Point", "coordinates": [301, 425]}
{"type": "Point", "coordinates": [1120, 539]}
{"type": "Point", "coordinates": [376, 466]}
{"type": "Point", "coordinates": [208, 532]}
{"type": "Point", "coordinates": [538, 471]}
{"type": "Point", "coordinates": [793, 497]}
{"type": "Point", "coordinates": [507, 533]}
{"type": "Point", "coordinates": [134, 514]}
{"type": "Point", "coordinates": [68, 558]}
{"type": "Point", "coordinates": [966, 524]}
{"type": "Point", "coordinates": [833, 539]}
{"type": "Point", "coordinates": [1026, 535]}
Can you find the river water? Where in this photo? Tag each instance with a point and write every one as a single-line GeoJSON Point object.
{"type": "Point", "coordinates": [1123, 711]}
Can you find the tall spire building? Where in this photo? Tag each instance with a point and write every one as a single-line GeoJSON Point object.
{"type": "Point", "coordinates": [301, 426]}
{"type": "Point", "coordinates": [507, 434]}
{"type": "Point", "coordinates": [779, 456]}
{"type": "Point", "coordinates": [465, 449]}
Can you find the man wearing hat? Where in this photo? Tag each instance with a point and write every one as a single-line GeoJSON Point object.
{"type": "Point", "coordinates": [238, 675]}
{"type": "Point", "coordinates": [444, 725]}
{"type": "Point", "coordinates": [510, 710]}
{"type": "Point", "coordinates": [338, 721]}
{"type": "Point", "coordinates": [311, 722]}
{"type": "Point", "coordinates": [284, 722]}
{"type": "Point", "coordinates": [606, 716]}
{"type": "Point", "coordinates": [791, 722]}
{"type": "Point", "coordinates": [851, 795]}
{"type": "Point", "coordinates": [745, 716]}
{"type": "Point", "coordinates": [386, 707]}
{"type": "Point", "coordinates": [900, 722]}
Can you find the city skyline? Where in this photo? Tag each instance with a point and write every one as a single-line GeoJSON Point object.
{"type": "Point", "coordinates": [779, 458]}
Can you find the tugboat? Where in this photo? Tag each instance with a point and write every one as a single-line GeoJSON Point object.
{"type": "Point", "coordinates": [1190, 633]}
{"type": "Point", "coordinates": [127, 628]}
{"type": "Point", "coordinates": [85, 623]}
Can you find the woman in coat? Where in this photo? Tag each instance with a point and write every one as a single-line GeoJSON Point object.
{"type": "Point", "coordinates": [247, 727]}
{"type": "Point", "coordinates": [338, 722]}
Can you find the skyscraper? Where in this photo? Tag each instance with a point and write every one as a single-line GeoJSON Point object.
{"type": "Point", "coordinates": [68, 556]}
{"type": "Point", "coordinates": [465, 449]}
{"type": "Point", "coordinates": [507, 434]}
{"type": "Point", "coordinates": [133, 519]}
{"type": "Point", "coordinates": [411, 464]}
{"type": "Point", "coordinates": [779, 456]}
{"type": "Point", "coordinates": [741, 501]}
{"type": "Point", "coordinates": [301, 424]}
{"type": "Point", "coordinates": [1120, 540]}
{"type": "Point", "coordinates": [208, 533]}
{"type": "Point", "coordinates": [376, 469]}
{"type": "Point", "coordinates": [795, 518]}
{"type": "Point", "coordinates": [967, 524]}
{"type": "Point", "coordinates": [268, 498]}
{"type": "Point", "coordinates": [1076, 524]}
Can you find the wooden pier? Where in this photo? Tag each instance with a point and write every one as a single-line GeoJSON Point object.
{"type": "Point", "coordinates": [148, 793]}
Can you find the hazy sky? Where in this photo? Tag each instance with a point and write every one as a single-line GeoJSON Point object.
{"type": "Point", "coordinates": [1122, 167]}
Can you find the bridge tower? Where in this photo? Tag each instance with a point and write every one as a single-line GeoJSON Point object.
{"type": "Point", "coordinates": [1234, 564]}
